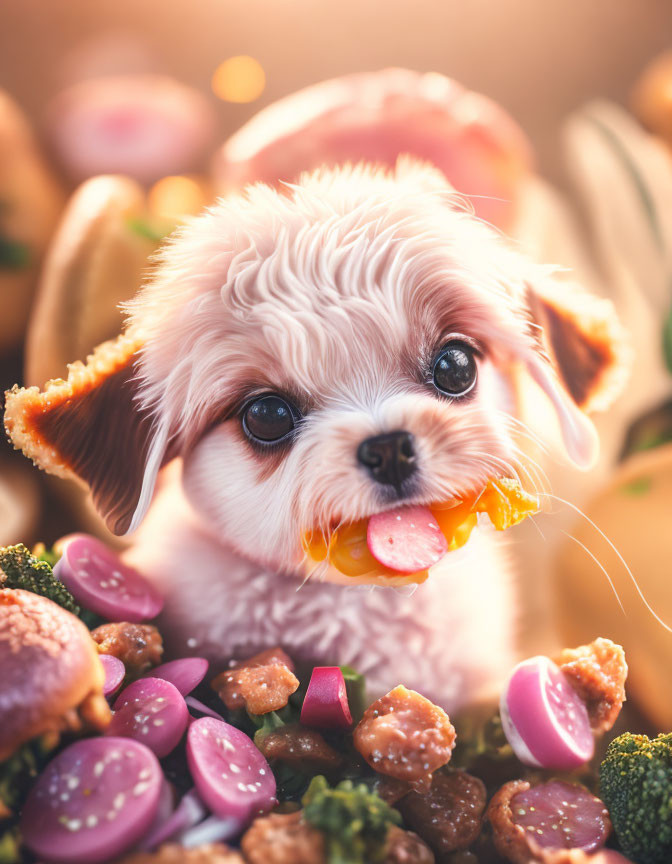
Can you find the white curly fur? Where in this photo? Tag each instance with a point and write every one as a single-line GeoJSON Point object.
{"type": "Point", "coordinates": [339, 292]}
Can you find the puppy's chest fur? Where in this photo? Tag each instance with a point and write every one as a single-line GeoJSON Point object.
{"type": "Point", "coordinates": [452, 638]}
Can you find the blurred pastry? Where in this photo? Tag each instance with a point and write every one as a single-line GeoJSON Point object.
{"type": "Point", "coordinates": [618, 241]}
{"type": "Point", "coordinates": [475, 143]}
{"type": "Point", "coordinates": [96, 261]}
{"type": "Point", "coordinates": [52, 677]}
{"type": "Point", "coordinates": [144, 126]}
{"type": "Point", "coordinates": [98, 258]}
{"type": "Point", "coordinates": [623, 177]}
{"type": "Point", "coordinates": [30, 203]}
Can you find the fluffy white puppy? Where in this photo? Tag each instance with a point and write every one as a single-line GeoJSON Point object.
{"type": "Point", "coordinates": [314, 356]}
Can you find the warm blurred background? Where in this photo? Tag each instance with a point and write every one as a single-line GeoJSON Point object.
{"type": "Point", "coordinates": [150, 90]}
{"type": "Point", "coordinates": [540, 60]}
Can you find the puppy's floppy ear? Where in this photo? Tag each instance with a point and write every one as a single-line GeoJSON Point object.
{"type": "Point", "coordinates": [581, 337]}
{"type": "Point", "coordinates": [92, 426]}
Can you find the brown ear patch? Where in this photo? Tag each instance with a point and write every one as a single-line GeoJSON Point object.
{"type": "Point", "coordinates": [585, 341]}
{"type": "Point", "coordinates": [580, 360]}
{"type": "Point", "coordinates": [89, 426]}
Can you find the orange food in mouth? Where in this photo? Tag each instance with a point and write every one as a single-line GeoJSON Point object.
{"type": "Point", "coordinates": [350, 548]}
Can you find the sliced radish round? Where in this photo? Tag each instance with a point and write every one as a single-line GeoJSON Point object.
{"type": "Point", "coordinates": [562, 815]}
{"type": "Point", "coordinates": [152, 711]}
{"type": "Point", "coordinates": [543, 718]}
{"type": "Point", "coordinates": [406, 539]}
{"type": "Point", "coordinates": [230, 774]}
{"type": "Point", "coordinates": [184, 674]}
{"type": "Point", "coordinates": [101, 582]}
{"type": "Point", "coordinates": [93, 802]}
{"type": "Point", "coordinates": [326, 702]}
{"type": "Point", "coordinates": [115, 672]}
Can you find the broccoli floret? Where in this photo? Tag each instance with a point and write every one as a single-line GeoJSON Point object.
{"type": "Point", "coordinates": [636, 786]}
{"type": "Point", "coordinates": [353, 820]}
{"type": "Point", "coordinates": [482, 740]}
{"type": "Point", "coordinates": [20, 569]}
{"type": "Point", "coordinates": [266, 723]}
{"type": "Point", "coordinates": [18, 771]}
{"type": "Point", "coordinates": [17, 774]}
{"type": "Point", "coordinates": [42, 553]}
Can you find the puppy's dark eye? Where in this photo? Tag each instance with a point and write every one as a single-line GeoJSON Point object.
{"type": "Point", "coordinates": [269, 418]}
{"type": "Point", "coordinates": [454, 370]}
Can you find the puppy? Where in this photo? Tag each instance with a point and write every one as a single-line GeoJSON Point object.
{"type": "Point", "coordinates": [306, 358]}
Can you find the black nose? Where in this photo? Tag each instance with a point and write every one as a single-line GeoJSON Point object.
{"type": "Point", "coordinates": [389, 458]}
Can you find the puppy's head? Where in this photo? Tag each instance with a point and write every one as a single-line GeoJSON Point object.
{"type": "Point", "coordinates": [319, 356]}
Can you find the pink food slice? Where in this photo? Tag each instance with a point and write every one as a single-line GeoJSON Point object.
{"type": "Point", "coordinates": [562, 816]}
{"type": "Point", "coordinates": [115, 672]}
{"type": "Point", "coordinates": [184, 674]}
{"type": "Point", "coordinates": [93, 802]}
{"type": "Point", "coordinates": [325, 705]}
{"type": "Point", "coordinates": [543, 718]}
{"type": "Point", "coordinates": [153, 711]}
{"type": "Point", "coordinates": [406, 539]}
{"type": "Point", "coordinates": [230, 773]}
{"type": "Point", "coordinates": [102, 583]}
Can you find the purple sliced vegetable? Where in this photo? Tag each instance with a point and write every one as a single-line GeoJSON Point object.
{"type": "Point", "coordinates": [202, 708]}
{"type": "Point", "coordinates": [101, 582]}
{"type": "Point", "coordinates": [214, 829]}
{"type": "Point", "coordinates": [326, 703]}
{"type": "Point", "coordinates": [152, 711]}
{"type": "Point", "coordinates": [115, 672]}
{"type": "Point", "coordinates": [543, 718]}
{"type": "Point", "coordinates": [166, 801]}
{"type": "Point", "coordinates": [189, 812]}
{"type": "Point", "coordinates": [231, 775]}
{"type": "Point", "coordinates": [185, 674]}
{"type": "Point", "coordinates": [562, 816]}
{"type": "Point", "coordinates": [93, 802]}
{"type": "Point", "coordinates": [164, 811]}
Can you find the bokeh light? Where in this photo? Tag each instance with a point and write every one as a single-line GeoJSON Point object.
{"type": "Point", "coordinates": [239, 79]}
{"type": "Point", "coordinates": [173, 198]}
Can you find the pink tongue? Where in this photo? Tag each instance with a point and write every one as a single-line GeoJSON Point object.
{"type": "Point", "coordinates": [407, 539]}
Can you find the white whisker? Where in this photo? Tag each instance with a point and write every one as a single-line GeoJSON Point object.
{"type": "Point", "coordinates": [600, 565]}
{"type": "Point", "coordinates": [618, 555]}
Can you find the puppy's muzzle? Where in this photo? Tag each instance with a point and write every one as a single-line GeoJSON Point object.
{"type": "Point", "coordinates": [390, 458]}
